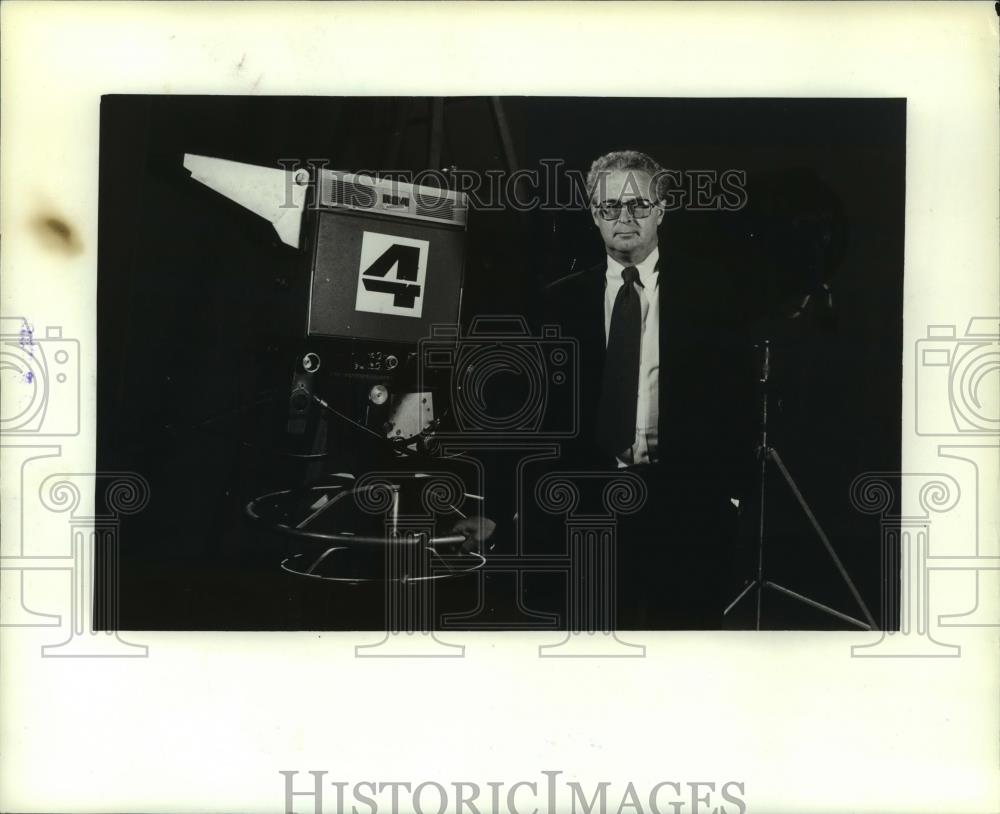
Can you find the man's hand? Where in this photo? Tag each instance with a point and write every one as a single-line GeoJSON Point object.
{"type": "Point", "coordinates": [476, 530]}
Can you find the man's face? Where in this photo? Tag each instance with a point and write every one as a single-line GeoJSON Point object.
{"type": "Point", "coordinates": [628, 238]}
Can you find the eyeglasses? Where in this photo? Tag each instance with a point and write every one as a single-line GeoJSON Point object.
{"type": "Point", "coordinates": [612, 210]}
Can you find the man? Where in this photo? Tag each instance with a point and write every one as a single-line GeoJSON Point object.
{"type": "Point", "coordinates": [666, 391]}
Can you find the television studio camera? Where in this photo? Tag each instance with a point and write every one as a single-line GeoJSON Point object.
{"type": "Point", "coordinates": [381, 265]}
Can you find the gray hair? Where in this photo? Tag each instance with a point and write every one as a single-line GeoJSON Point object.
{"type": "Point", "coordinates": [622, 160]}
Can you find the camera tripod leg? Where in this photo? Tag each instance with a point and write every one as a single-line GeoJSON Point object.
{"type": "Point", "coordinates": [736, 601]}
{"type": "Point", "coordinates": [818, 605]}
{"type": "Point", "coordinates": [873, 625]}
{"type": "Point", "coordinates": [759, 581]}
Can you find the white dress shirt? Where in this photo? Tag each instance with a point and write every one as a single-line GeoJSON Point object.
{"type": "Point", "coordinates": [644, 448]}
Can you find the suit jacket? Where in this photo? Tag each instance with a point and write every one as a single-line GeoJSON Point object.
{"type": "Point", "coordinates": [707, 385]}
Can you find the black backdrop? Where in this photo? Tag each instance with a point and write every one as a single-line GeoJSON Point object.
{"type": "Point", "coordinates": [184, 280]}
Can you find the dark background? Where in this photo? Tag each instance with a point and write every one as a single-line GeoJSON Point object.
{"type": "Point", "coordinates": [186, 277]}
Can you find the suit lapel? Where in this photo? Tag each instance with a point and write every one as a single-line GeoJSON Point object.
{"type": "Point", "coordinates": [671, 326]}
{"type": "Point", "coordinates": [588, 330]}
{"type": "Point", "coordinates": [593, 336]}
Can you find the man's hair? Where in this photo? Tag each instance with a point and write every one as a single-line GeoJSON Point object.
{"type": "Point", "coordinates": [625, 160]}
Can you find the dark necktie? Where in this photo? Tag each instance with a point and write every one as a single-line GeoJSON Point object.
{"type": "Point", "coordinates": [620, 386]}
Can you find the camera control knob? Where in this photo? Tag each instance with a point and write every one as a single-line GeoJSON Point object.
{"type": "Point", "coordinates": [310, 362]}
{"type": "Point", "coordinates": [391, 362]}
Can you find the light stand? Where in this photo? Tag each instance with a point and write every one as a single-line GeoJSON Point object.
{"type": "Point", "coordinates": [768, 454]}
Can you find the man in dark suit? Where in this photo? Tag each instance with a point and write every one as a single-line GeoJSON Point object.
{"type": "Point", "coordinates": [666, 391]}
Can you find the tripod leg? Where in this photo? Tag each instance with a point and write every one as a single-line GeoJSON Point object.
{"type": "Point", "coordinates": [760, 537]}
{"type": "Point", "coordinates": [763, 450]}
{"type": "Point", "coordinates": [818, 605]}
{"type": "Point", "coordinates": [773, 454]}
{"type": "Point", "coordinates": [398, 133]}
{"type": "Point", "coordinates": [736, 601]}
{"type": "Point", "coordinates": [506, 143]}
{"type": "Point", "coordinates": [437, 132]}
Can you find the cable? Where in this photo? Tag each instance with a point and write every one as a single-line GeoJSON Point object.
{"type": "Point", "coordinates": [340, 415]}
{"type": "Point", "coordinates": [396, 446]}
